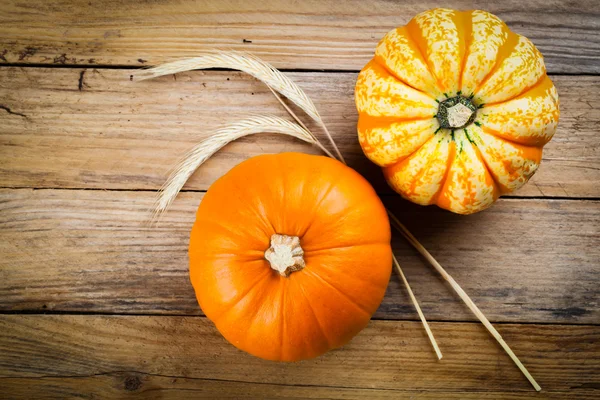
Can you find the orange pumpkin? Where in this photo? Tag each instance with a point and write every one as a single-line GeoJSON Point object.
{"type": "Point", "coordinates": [290, 255]}
{"type": "Point", "coordinates": [456, 109]}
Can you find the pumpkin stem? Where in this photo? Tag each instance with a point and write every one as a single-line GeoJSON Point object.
{"type": "Point", "coordinates": [456, 113]}
{"type": "Point", "coordinates": [285, 254]}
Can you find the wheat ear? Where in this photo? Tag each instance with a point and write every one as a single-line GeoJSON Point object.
{"type": "Point", "coordinates": [251, 65]}
{"type": "Point", "coordinates": [463, 295]}
{"type": "Point", "coordinates": [217, 140]}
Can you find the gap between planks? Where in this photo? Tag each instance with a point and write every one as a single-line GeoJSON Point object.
{"type": "Point", "coordinates": [285, 70]}
{"type": "Point", "coordinates": [384, 195]}
{"type": "Point", "coordinates": [400, 320]}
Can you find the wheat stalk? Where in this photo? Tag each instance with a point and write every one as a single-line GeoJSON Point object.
{"type": "Point", "coordinates": [416, 304]}
{"type": "Point", "coordinates": [251, 65]}
{"type": "Point", "coordinates": [463, 295]}
{"type": "Point", "coordinates": [217, 140]}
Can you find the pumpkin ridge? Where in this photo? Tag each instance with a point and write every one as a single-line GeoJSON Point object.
{"type": "Point", "coordinates": [285, 183]}
{"type": "Point", "coordinates": [251, 319]}
{"type": "Point", "coordinates": [402, 159]}
{"type": "Point", "coordinates": [472, 200]}
{"type": "Point", "coordinates": [312, 311]}
{"type": "Point", "coordinates": [376, 69]}
{"type": "Point", "coordinates": [465, 30]}
{"type": "Point", "coordinates": [344, 295]}
{"type": "Point", "coordinates": [386, 119]}
{"type": "Point", "coordinates": [261, 215]}
{"type": "Point", "coordinates": [497, 184]}
{"type": "Point", "coordinates": [229, 230]}
{"type": "Point", "coordinates": [369, 146]}
{"type": "Point", "coordinates": [396, 165]}
{"type": "Point", "coordinates": [498, 135]}
{"type": "Point", "coordinates": [537, 83]}
{"type": "Point", "coordinates": [420, 174]}
{"type": "Point", "coordinates": [527, 155]}
{"type": "Point", "coordinates": [376, 59]}
{"type": "Point", "coordinates": [237, 257]}
{"type": "Point", "coordinates": [449, 162]}
{"type": "Point", "coordinates": [502, 188]}
{"type": "Point", "coordinates": [318, 204]}
{"type": "Point", "coordinates": [347, 275]}
{"type": "Point", "coordinates": [250, 207]}
{"type": "Point", "coordinates": [411, 37]}
{"type": "Point", "coordinates": [282, 328]}
{"type": "Point", "coordinates": [339, 216]}
{"type": "Point", "coordinates": [311, 253]}
{"type": "Point", "coordinates": [228, 307]}
{"type": "Point", "coordinates": [510, 43]}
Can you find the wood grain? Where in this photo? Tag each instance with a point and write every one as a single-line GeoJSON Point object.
{"type": "Point", "coordinates": [182, 356]}
{"type": "Point", "coordinates": [90, 251]}
{"type": "Point", "coordinates": [532, 259]}
{"type": "Point", "coordinates": [93, 128]}
{"type": "Point", "coordinates": [133, 385]}
{"type": "Point", "coordinates": [304, 34]}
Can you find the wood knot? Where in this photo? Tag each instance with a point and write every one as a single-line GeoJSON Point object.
{"type": "Point", "coordinates": [132, 383]}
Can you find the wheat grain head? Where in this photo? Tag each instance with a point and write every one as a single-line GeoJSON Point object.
{"type": "Point", "coordinates": [217, 140]}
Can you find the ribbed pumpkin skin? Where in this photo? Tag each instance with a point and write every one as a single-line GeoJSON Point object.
{"type": "Point", "coordinates": [438, 55]}
{"type": "Point", "coordinates": [343, 229]}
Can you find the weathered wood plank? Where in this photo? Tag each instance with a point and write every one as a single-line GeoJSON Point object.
{"type": "Point", "coordinates": [115, 133]}
{"type": "Point", "coordinates": [147, 355]}
{"type": "Point", "coordinates": [306, 34]}
{"type": "Point", "coordinates": [90, 251]}
{"type": "Point", "coordinates": [134, 385]}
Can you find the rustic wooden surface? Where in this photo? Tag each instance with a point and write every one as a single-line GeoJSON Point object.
{"type": "Point", "coordinates": [313, 34]}
{"type": "Point", "coordinates": [112, 355]}
{"type": "Point", "coordinates": [95, 128]}
{"type": "Point", "coordinates": [64, 248]}
{"type": "Point", "coordinates": [94, 303]}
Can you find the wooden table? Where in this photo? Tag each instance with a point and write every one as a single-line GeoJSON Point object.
{"type": "Point", "coordinates": [94, 303]}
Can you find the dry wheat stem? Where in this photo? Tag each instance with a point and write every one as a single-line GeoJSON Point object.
{"type": "Point", "coordinates": [463, 295]}
{"type": "Point", "coordinates": [416, 304]}
{"type": "Point", "coordinates": [337, 150]}
{"type": "Point", "coordinates": [293, 115]}
{"type": "Point", "coordinates": [204, 150]}
{"type": "Point", "coordinates": [251, 65]}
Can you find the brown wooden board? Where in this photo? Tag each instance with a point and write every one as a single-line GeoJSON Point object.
{"type": "Point", "coordinates": [113, 356]}
{"type": "Point", "coordinates": [84, 146]}
{"type": "Point", "coordinates": [302, 34]}
{"type": "Point", "coordinates": [92, 251]}
{"type": "Point", "coordinates": [94, 128]}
